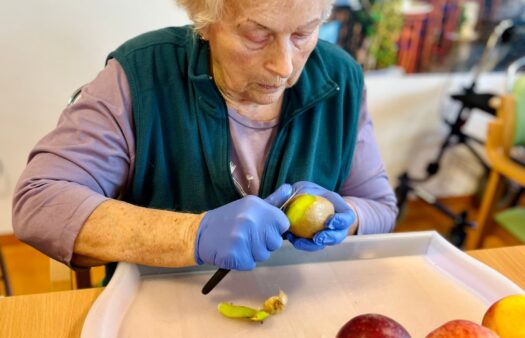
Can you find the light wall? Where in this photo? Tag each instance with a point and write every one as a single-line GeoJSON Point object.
{"type": "Point", "coordinates": [49, 48]}
{"type": "Point", "coordinates": [409, 114]}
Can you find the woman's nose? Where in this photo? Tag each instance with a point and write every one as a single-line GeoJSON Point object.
{"type": "Point", "coordinates": [279, 60]}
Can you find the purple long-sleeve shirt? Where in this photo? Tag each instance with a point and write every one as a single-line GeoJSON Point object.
{"type": "Point", "coordinates": [89, 157]}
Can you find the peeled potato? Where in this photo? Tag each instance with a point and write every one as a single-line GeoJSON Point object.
{"type": "Point", "coordinates": [308, 214]}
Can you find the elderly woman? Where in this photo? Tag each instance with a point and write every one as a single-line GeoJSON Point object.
{"type": "Point", "coordinates": [183, 149]}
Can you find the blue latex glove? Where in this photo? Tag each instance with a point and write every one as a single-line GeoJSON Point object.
{"type": "Point", "coordinates": [336, 227]}
{"type": "Point", "coordinates": [245, 231]}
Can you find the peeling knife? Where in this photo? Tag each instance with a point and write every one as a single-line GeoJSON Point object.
{"type": "Point", "coordinates": [221, 273]}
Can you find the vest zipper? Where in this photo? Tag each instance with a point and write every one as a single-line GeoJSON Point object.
{"type": "Point", "coordinates": [237, 184]}
{"type": "Point", "coordinates": [279, 135]}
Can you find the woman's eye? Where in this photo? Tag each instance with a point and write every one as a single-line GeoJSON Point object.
{"type": "Point", "coordinates": [301, 36]}
{"type": "Point", "coordinates": [257, 37]}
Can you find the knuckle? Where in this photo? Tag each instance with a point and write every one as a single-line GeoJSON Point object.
{"type": "Point", "coordinates": [238, 240]}
{"type": "Point", "coordinates": [246, 224]}
{"type": "Point", "coordinates": [251, 200]}
{"type": "Point", "coordinates": [263, 256]}
{"type": "Point", "coordinates": [274, 243]}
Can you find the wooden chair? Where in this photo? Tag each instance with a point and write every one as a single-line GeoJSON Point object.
{"type": "Point", "coordinates": [4, 276]}
{"type": "Point", "coordinates": [504, 133]}
{"type": "Point", "coordinates": [432, 34]}
{"type": "Point", "coordinates": [443, 22]}
{"type": "Point", "coordinates": [61, 277]}
{"type": "Point", "coordinates": [411, 43]}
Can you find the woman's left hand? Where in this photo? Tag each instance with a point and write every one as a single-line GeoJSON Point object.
{"type": "Point", "coordinates": [336, 227]}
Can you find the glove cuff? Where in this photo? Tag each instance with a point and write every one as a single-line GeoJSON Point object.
{"type": "Point", "coordinates": [202, 227]}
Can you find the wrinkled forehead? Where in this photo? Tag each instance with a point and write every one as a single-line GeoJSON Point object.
{"type": "Point", "coordinates": [291, 12]}
{"type": "Point", "coordinates": [269, 5]}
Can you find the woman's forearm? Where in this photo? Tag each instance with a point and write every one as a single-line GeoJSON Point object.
{"type": "Point", "coordinates": [118, 231]}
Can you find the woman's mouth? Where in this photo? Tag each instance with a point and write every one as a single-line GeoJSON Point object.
{"type": "Point", "coordinates": [268, 88]}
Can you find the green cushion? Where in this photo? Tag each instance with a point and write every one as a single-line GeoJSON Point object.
{"type": "Point", "coordinates": [513, 220]}
{"type": "Point", "coordinates": [518, 91]}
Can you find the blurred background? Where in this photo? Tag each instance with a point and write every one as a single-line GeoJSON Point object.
{"type": "Point", "coordinates": [423, 36]}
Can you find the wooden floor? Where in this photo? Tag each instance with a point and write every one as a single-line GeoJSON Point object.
{"type": "Point", "coordinates": [420, 216]}
{"type": "Point", "coordinates": [28, 269]}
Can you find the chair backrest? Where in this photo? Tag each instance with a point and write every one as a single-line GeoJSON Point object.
{"type": "Point", "coordinates": [518, 92]}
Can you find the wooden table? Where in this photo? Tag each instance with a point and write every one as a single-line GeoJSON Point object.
{"type": "Point", "coordinates": [62, 314]}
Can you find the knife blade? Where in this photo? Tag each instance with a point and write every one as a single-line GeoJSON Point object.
{"type": "Point", "coordinates": [285, 204]}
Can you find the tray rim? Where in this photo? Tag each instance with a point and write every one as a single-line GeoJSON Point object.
{"type": "Point", "coordinates": [121, 290]}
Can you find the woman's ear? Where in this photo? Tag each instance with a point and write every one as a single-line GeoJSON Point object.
{"type": "Point", "coordinates": [203, 33]}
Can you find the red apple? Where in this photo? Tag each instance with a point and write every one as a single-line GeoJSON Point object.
{"type": "Point", "coordinates": [372, 325]}
{"type": "Point", "coordinates": [460, 328]}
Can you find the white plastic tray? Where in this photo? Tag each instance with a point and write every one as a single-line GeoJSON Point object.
{"type": "Point", "coordinates": [418, 279]}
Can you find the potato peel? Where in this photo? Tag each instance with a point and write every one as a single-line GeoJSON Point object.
{"type": "Point", "coordinates": [259, 316]}
{"type": "Point", "coordinates": [271, 306]}
{"type": "Point", "coordinates": [242, 312]}
{"type": "Point", "coordinates": [276, 304]}
{"type": "Point", "coordinates": [236, 311]}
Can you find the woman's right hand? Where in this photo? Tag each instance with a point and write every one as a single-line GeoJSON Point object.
{"type": "Point", "coordinates": [239, 234]}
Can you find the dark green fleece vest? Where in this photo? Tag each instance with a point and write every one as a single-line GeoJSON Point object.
{"type": "Point", "coordinates": [182, 133]}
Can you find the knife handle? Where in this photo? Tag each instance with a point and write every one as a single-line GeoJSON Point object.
{"type": "Point", "coordinates": [214, 280]}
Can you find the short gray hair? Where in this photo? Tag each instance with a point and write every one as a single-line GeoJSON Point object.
{"type": "Point", "coordinates": [205, 12]}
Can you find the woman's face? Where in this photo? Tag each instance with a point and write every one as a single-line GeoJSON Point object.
{"type": "Point", "coordinates": [260, 47]}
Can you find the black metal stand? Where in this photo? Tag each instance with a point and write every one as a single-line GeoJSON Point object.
{"type": "Point", "coordinates": [457, 233]}
{"type": "Point", "coordinates": [469, 100]}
